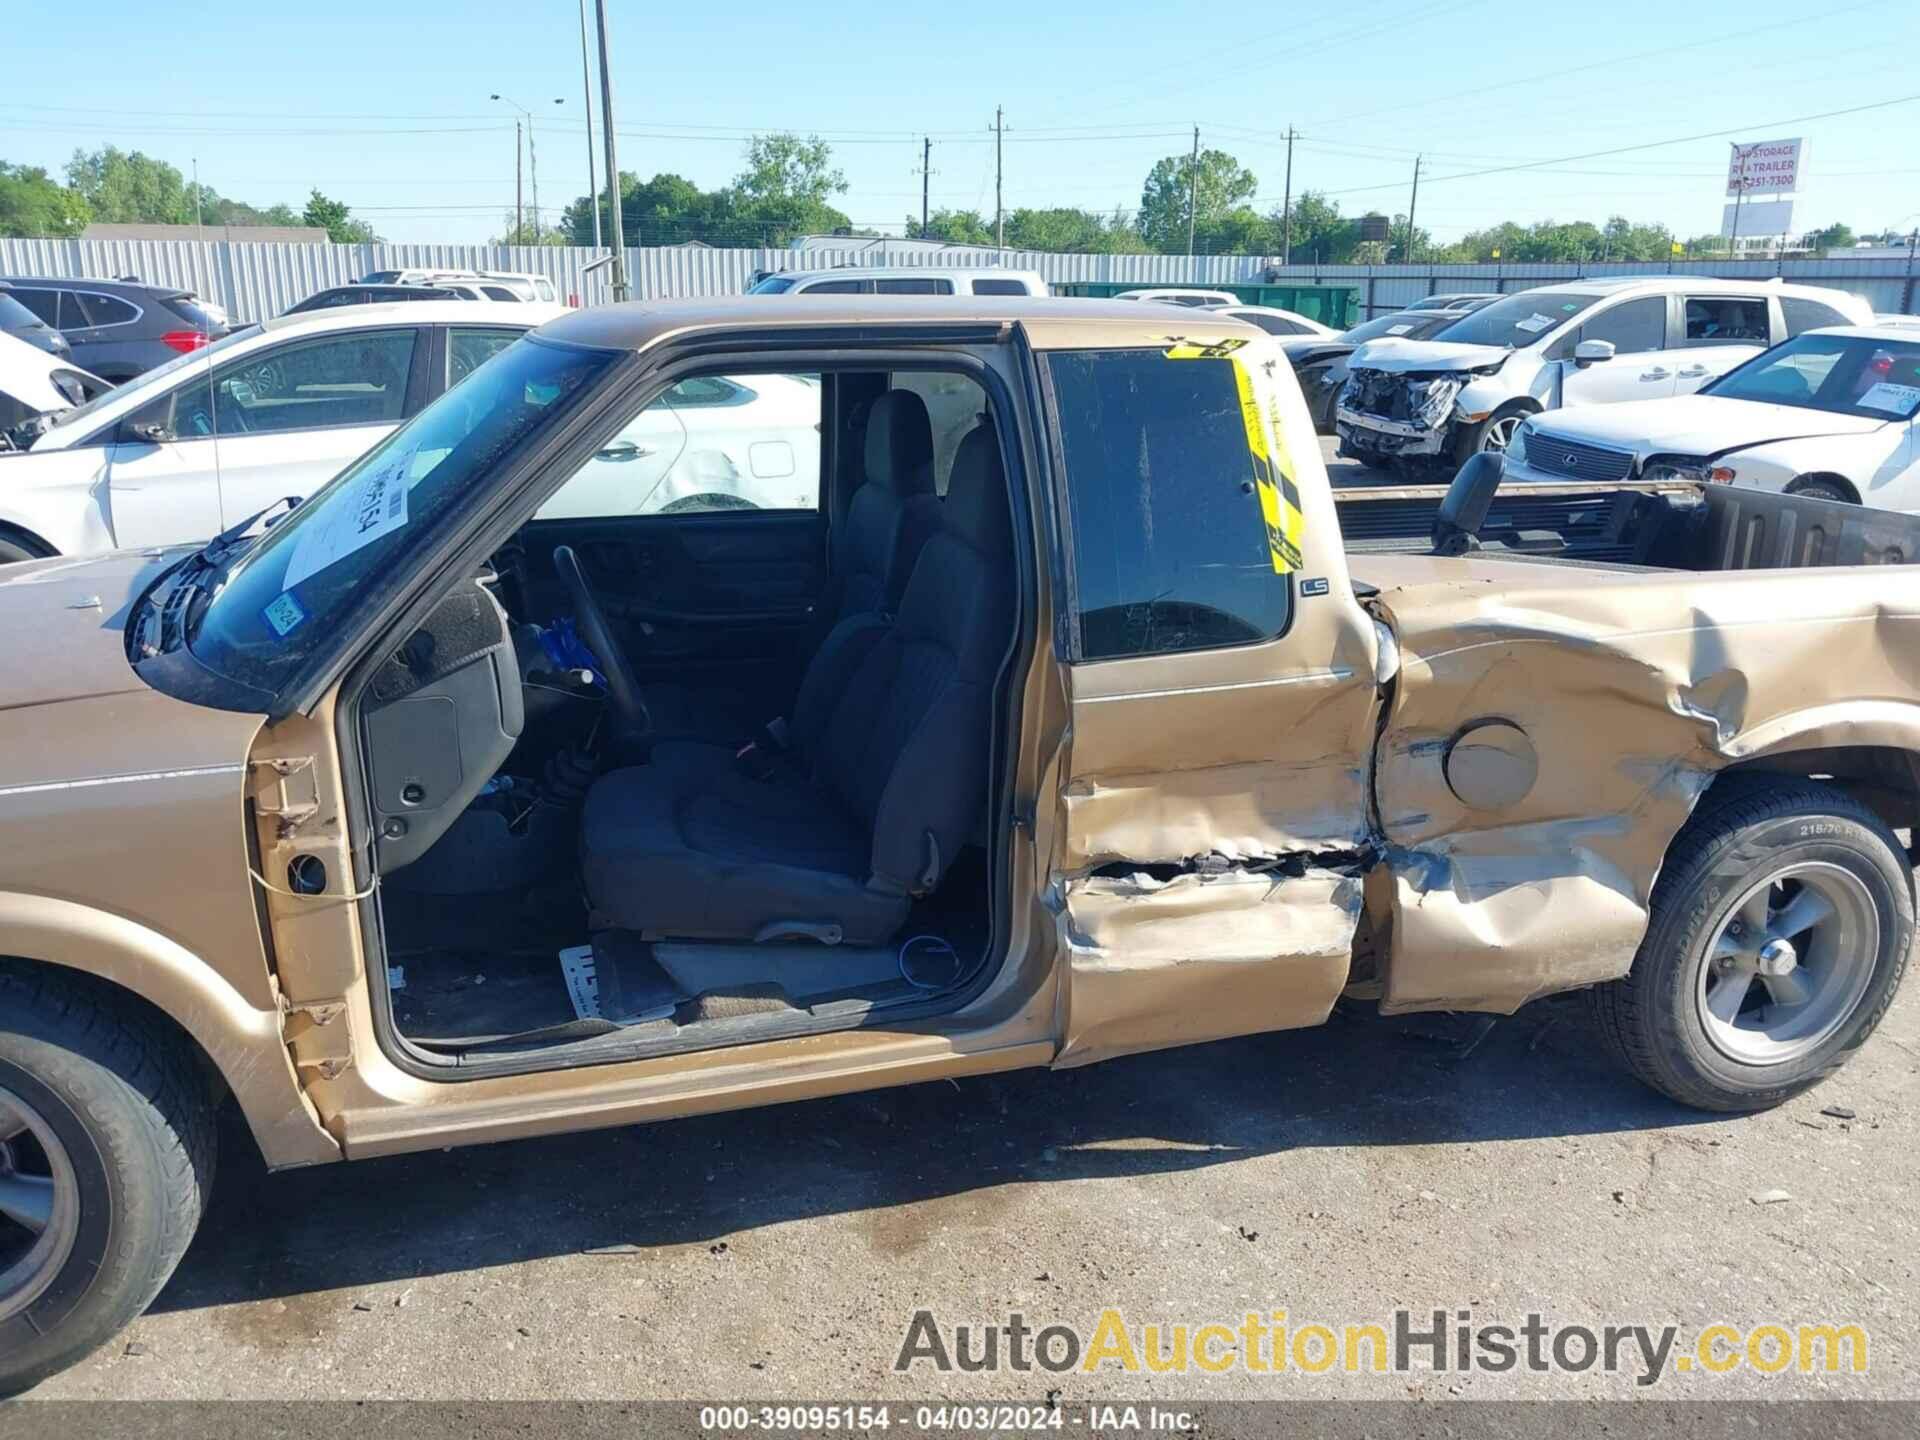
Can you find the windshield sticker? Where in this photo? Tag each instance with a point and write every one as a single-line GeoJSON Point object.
{"type": "Point", "coordinates": [1534, 323]}
{"type": "Point", "coordinates": [375, 505]}
{"type": "Point", "coordinates": [1398, 329]}
{"type": "Point", "coordinates": [1898, 400]}
{"type": "Point", "coordinates": [284, 615]}
{"type": "Point", "coordinates": [1188, 350]}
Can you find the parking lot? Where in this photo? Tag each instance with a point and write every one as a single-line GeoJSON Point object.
{"type": "Point", "coordinates": [1334, 1173]}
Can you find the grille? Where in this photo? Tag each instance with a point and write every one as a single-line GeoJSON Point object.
{"type": "Point", "coordinates": [1575, 460]}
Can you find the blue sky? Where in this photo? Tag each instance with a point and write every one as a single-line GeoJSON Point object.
{"type": "Point", "coordinates": [386, 106]}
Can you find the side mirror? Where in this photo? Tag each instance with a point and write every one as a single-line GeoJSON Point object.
{"type": "Point", "coordinates": [1592, 352]}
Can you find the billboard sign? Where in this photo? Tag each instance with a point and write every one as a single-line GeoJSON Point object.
{"type": "Point", "coordinates": [1757, 218]}
{"type": "Point", "coordinates": [1764, 167]}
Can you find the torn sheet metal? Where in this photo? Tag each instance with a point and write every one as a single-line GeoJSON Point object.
{"type": "Point", "coordinates": [1633, 689]}
{"type": "Point", "coordinates": [1195, 957]}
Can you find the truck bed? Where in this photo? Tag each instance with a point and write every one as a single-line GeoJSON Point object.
{"type": "Point", "coordinates": [1673, 525]}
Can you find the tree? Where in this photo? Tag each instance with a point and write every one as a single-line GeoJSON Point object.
{"type": "Point", "coordinates": [1837, 236]}
{"type": "Point", "coordinates": [783, 190]}
{"type": "Point", "coordinates": [955, 227]}
{"type": "Point", "coordinates": [1321, 235]}
{"type": "Point", "coordinates": [33, 203]}
{"type": "Point", "coordinates": [337, 220]}
{"type": "Point", "coordinates": [125, 187]}
{"type": "Point", "coordinates": [1224, 186]}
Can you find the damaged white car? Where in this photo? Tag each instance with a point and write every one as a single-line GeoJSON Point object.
{"type": "Point", "coordinates": [1594, 342]}
{"type": "Point", "coordinates": [1829, 414]}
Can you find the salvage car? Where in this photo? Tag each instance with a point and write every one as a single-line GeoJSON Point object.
{"type": "Point", "coordinates": [1320, 364]}
{"type": "Point", "coordinates": [1828, 414]}
{"type": "Point", "coordinates": [1108, 749]}
{"type": "Point", "coordinates": [1592, 342]}
{"type": "Point", "coordinates": [35, 386]}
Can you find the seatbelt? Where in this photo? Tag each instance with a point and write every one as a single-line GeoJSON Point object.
{"type": "Point", "coordinates": [760, 756]}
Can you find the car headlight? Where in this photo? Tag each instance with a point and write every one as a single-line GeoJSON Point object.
{"type": "Point", "coordinates": [1697, 469]}
{"type": "Point", "coordinates": [1430, 400]}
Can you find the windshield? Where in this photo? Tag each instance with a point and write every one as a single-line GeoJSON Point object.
{"type": "Point", "coordinates": [772, 285]}
{"type": "Point", "coordinates": [1401, 325]}
{"type": "Point", "coordinates": [1519, 320]}
{"type": "Point", "coordinates": [294, 586]}
{"type": "Point", "coordinates": [1843, 374]}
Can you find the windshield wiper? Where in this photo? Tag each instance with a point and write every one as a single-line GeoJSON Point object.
{"type": "Point", "coordinates": [216, 549]}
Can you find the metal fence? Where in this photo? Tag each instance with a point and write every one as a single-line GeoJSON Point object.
{"type": "Point", "coordinates": [254, 280]}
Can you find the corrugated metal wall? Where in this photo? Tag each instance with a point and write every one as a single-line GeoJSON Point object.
{"type": "Point", "coordinates": [257, 280]}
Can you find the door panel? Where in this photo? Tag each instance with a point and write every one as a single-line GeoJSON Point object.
{"type": "Point", "coordinates": [1642, 367]}
{"type": "Point", "coordinates": [1213, 798]}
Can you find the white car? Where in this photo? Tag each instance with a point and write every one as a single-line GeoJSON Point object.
{"type": "Point", "coordinates": [1176, 295]}
{"type": "Point", "coordinates": [279, 409]}
{"type": "Point", "coordinates": [1591, 342]}
{"type": "Point", "coordinates": [902, 280]}
{"type": "Point", "coordinates": [1829, 413]}
{"type": "Point", "coordinates": [1276, 321]}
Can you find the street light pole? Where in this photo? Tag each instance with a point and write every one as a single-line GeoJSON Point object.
{"type": "Point", "coordinates": [619, 276]}
{"type": "Point", "coordinates": [586, 96]}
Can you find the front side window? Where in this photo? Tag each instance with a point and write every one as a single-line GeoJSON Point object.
{"type": "Point", "coordinates": [1632, 327]}
{"type": "Point", "coordinates": [45, 304]}
{"type": "Point", "coordinates": [708, 443]}
{"type": "Point", "coordinates": [1170, 546]}
{"type": "Point", "coordinates": [836, 287]}
{"type": "Point", "coordinates": [1850, 375]}
{"type": "Point", "coordinates": [353, 539]}
{"type": "Point", "coordinates": [1726, 320]}
{"type": "Point", "coordinates": [356, 379]}
{"type": "Point", "coordinates": [1519, 320]}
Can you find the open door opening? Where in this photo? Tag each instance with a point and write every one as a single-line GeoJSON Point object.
{"type": "Point", "coordinates": [716, 747]}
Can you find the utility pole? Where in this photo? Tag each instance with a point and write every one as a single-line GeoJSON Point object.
{"type": "Point", "coordinates": [533, 168]}
{"type": "Point", "coordinates": [1739, 197]}
{"type": "Point", "coordinates": [196, 195]}
{"type": "Point", "coordinates": [1286, 207]}
{"type": "Point", "coordinates": [999, 205]}
{"type": "Point", "coordinates": [519, 214]}
{"type": "Point", "coordinates": [1193, 189]}
{"type": "Point", "coordinates": [619, 276]}
{"type": "Point", "coordinates": [1412, 205]}
{"type": "Point", "coordinates": [926, 174]}
{"type": "Point", "coordinates": [586, 96]}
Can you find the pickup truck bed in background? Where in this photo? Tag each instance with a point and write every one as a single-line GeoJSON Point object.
{"type": "Point", "coordinates": [1668, 525]}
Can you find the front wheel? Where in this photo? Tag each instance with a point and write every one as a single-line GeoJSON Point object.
{"type": "Point", "coordinates": [106, 1155]}
{"type": "Point", "coordinates": [1778, 934]}
{"type": "Point", "coordinates": [1492, 434]}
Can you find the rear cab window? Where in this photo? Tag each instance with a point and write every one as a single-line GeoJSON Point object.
{"type": "Point", "coordinates": [1000, 287]}
{"type": "Point", "coordinates": [1170, 549]}
{"type": "Point", "coordinates": [955, 404]}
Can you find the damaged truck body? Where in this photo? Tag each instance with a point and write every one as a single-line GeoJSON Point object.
{"type": "Point", "coordinates": [1101, 741]}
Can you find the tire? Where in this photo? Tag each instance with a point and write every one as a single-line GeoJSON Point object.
{"type": "Point", "coordinates": [117, 1114]}
{"type": "Point", "coordinates": [1492, 433]}
{"type": "Point", "coordinates": [1664, 1020]}
{"type": "Point", "coordinates": [1823, 490]}
{"type": "Point", "coordinates": [12, 552]}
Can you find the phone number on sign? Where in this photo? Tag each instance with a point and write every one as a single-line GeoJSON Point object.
{"type": "Point", "coordinates": [860, 1418]}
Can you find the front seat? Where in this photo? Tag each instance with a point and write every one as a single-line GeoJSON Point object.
{"type": "Point", "coordinates": [890, 516]}
{"type": "Point", "coordinates": [884, 782]}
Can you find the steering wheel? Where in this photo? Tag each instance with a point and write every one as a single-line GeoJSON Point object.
{"type": "Point", "coordinates": [622, 688]}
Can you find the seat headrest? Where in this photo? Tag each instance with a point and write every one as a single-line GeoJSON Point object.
{"type": "Point", "coordinates": [976, 505]}
{"type": "Point", "coordinates": [899, 453]}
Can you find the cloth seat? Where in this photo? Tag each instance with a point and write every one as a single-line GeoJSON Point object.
{"type": "Point", "coordinates": [885, 781]}
{"type": "Point", "coordinates": [890, 516]}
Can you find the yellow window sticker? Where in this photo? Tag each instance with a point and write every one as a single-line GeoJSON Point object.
{"type": "Point", "coordinates": [1273, 468]}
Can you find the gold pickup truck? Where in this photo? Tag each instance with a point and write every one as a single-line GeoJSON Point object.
{"type": "Point", "coordinates": [1051, 722]}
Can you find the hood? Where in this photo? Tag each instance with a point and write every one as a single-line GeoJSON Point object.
{"type": "Point", "coordinates": [1696, 425]}
{"type": "Point", "coordinates": [1397, 357]}
{"type": "Point", "coordinates": [62, 625]}
{"type": "Point", "coordinates": [27, 372]}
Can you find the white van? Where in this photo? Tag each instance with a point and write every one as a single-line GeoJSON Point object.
{"type": "Point", "coordinates": [902, 280]}
{"type": "Point", "coordinates": [1587, 342]}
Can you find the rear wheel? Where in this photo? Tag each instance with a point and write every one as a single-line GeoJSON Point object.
{"type": "Point", "coordinates": [1778, 934]}
{"type": "Point", "coordinates": [106, 1155]}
